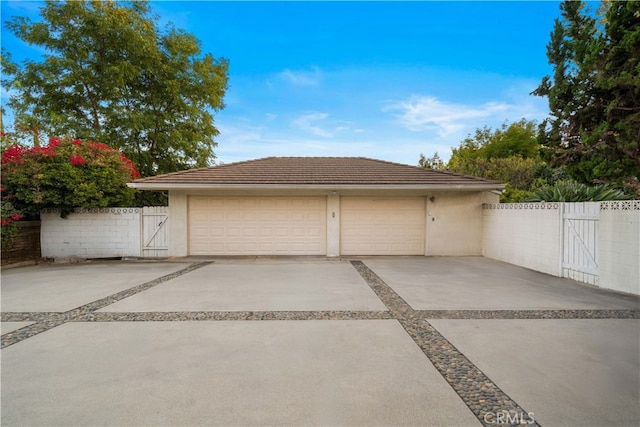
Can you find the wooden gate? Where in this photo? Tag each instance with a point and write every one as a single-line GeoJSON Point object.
{"type": "Point", "coordinates": [580, 241]}
{"type": "Point", "coordinates": [154, 232]}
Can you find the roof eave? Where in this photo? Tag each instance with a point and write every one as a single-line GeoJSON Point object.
{"type": "Point", "coordinates": [329, 187]}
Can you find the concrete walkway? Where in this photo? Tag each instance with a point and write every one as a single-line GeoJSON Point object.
{"type": "Point", "coordinates": [374, 341]}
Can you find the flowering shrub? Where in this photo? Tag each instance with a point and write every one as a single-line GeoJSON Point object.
{"type": "Point", "coordinates": [8, 222]}
{"type": "Point", "coordinates": [67, 174]}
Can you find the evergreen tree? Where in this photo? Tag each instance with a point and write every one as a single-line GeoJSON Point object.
{"type": "Point", "coordinates": [594, 95]}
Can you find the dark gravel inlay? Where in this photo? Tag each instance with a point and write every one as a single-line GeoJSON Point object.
{"type": "Point", "coordinates": [232, 315]}
{"type": "Point", "coordinates": [32, 316]}
{"type": "Point", "coordinates": [483, 397]}
{"type": "Point", "coordinates": [529, 314]}
{"type": "Point", "coordinates": [39, 316]}
{"type": "Point", "coordinates": [56, 319]}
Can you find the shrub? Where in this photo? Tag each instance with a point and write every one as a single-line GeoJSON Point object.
{"type": "Point", "coordinates": [67, 174]}
{"type": "Point", "coordinates": [572, 191]}
{"type": "Point", "coordinates": [8, 223]}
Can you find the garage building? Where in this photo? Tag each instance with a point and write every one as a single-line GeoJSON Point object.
{"type": "Point", "coordinates": [329, 206]}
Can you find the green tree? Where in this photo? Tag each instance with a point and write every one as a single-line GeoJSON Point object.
{"type": "Point", "coordinates": [110, 74]}
{"type": "Point", "coordinates": [66, 174]}
{"type": "Point", "coordinates": [594, 94]}
{"type": "Point", "coordinates": [434, 162]}
{"type": "Point", "coordinates": [515, 139]}
{"type": "Point", "coordinates": [509, 154]}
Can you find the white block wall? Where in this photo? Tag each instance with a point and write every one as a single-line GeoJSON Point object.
{"type": "Point", "coordinates": [524, 234]}
{"type": "Point", "coordinates": [619, 240]}
{"type": "Point", "coordinates": [92, 233]}
{"type": "Point", "coordinates": [530, 235]}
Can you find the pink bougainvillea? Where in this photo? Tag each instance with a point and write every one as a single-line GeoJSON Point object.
{"type": "Point", "coordinates": [79, 152]}
{"type": "Point", "coordinates": [12, 154]}
{"type": "Point", "coordinates": [67, 174]}
{"type": "Point", "coordinates": [53, 142]}
{"type": "Point", "coordinates": [77, 159]}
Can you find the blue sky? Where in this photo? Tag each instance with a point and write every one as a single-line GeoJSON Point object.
{"type": "Point", "coordinates": [386, 80]}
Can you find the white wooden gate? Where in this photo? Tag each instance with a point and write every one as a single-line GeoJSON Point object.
{"type": "Point", "coordinates": [580, 241]}
{"type": "Point", "coordinates": [154, 232]}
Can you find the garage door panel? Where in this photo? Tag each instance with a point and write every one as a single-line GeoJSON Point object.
{"type": "Point", "coordinates": [257, 225]}
{"type": "Point", "coordinates": [382, 226]}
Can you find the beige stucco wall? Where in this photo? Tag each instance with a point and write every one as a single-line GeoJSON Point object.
{"type": "Point", "coordinates": [178, 236]}
{"type": "Point", "coordinates": [453, 222]}
{"type": "Point", "coordinates": [333, 225]}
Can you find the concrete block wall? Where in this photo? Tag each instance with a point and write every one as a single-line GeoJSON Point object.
{"type": "Point", "coordinates": [619, 246]}
{"type": "Point", "coordinates": [91, 233]}
{"type": "Point", "coordinates": [524, 234]}
{"type": "Point", "coordinates": [531, 235]}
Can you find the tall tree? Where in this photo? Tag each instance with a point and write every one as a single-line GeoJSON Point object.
{"type": "Point", "coordinates": [594, 94]}
{"type": "Point", "coordinates": [110, 74]}
{"type": "Point", "coordinates": [509, 154]}
{"type": "Point", "coordinates": [515, 139]}
{"type": "Point", "coordinates": [434, 162]}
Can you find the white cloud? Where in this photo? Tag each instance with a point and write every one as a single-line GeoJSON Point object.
{"type": "Point", "coordinates": [243, 140]}
{"type": "Point", "coordinates": [429, 113]}
{"type": "Point", "coordinates": [446, 119]}
{"type": "Point", "coordinates": [318, 124]}
{"type": "Point", "coordinates": [301, 77]}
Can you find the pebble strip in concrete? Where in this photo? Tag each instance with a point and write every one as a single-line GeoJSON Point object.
{"type": "Point", "coordinates": [528, 314]}
{"type": "Point", "coordinates": [51, 320]}
{"type": "Point", "coordinates": [485, 399]}
{"type": "Point", "coordinates": [39, 316]}
{"type": "Point", "coordinates": [233, 315]}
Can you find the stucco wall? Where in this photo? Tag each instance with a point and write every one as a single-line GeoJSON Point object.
{"type": "Point", "coordinates": [178, 236]}
{"type": "Point", "coordinates": [619, 239]}
{"type": "Point", "coordinates": [527, 235]}
{"type": "Point", "coordinates": [454, 223]}
{"type": "Point", "coordinates": [94, 233]}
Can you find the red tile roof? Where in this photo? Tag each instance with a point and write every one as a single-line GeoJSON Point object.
{"type": "Point", "coordinates": [314, 171]}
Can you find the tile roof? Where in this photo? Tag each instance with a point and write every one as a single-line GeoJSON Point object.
{"type": "Point", "coordinates": [314, 171]}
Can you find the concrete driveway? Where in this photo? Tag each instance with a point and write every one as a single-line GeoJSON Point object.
{"type": "Point", "coordinates": [372, 341]}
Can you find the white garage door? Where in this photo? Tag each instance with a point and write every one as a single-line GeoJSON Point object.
{"type": "Point", "coordinates": [382, 225]}
{"type": "Point", "coordinates": [257, 225]}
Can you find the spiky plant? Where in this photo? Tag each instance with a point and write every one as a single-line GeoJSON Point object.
{"type": "Point", "coordinates": [573, 191]}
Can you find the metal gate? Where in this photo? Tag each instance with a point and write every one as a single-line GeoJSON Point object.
{"type": "Point", "coordinates": [154, 232]}
{"type": "Point", "coordinates": [580, 241]}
